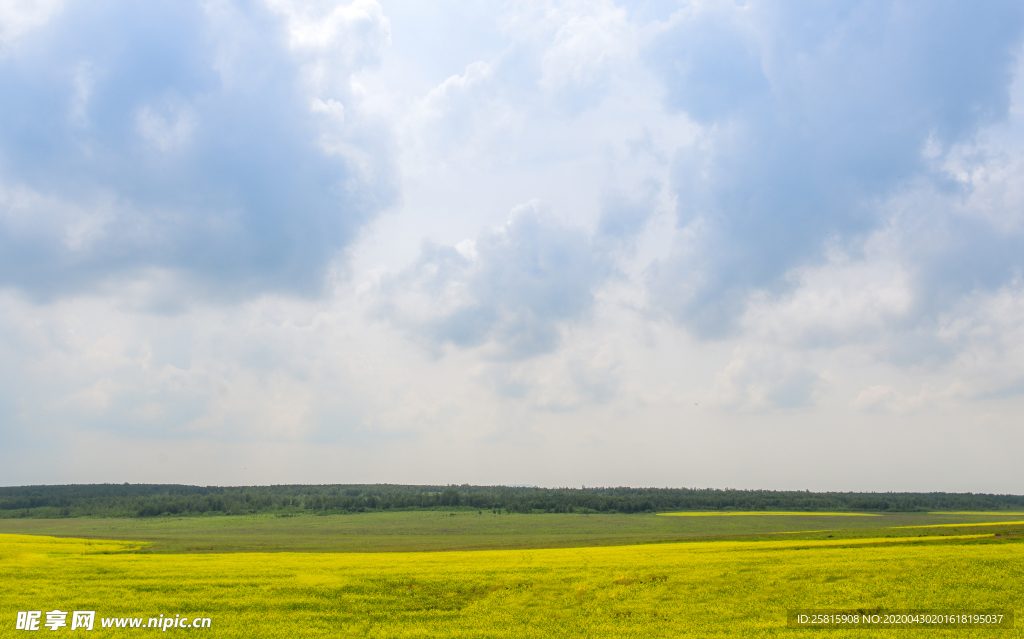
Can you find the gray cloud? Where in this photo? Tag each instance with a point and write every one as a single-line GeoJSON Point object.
{"type": "Point", "coordinates": [181, 136]}
{"type": "Point", "coordinates": [961, 255]}
{"type": "Point", "coordinates": [623, 215]}
{"type": "Point", "coordinates": [814, 115]}
{"type": "Point", "coordinates": [514, 287]}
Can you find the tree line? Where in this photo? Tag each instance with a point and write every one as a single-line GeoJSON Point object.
{"type": "Point", "coordinates": [152, 500]}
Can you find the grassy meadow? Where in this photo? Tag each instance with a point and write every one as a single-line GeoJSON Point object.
{"type": "Point", "coordinates": [537, 576]}
{"type": "Point", "coordinates": [463, 530]}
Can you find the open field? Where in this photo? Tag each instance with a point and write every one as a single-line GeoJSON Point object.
{"type": "Point", "coordinates": [438, 531]}
{"type": "Point", "coordinates": [697, 589]}
{"type": "Point", "coordinates": [734, 574]}
{"type": "Point", "coordinates": [763, 513]}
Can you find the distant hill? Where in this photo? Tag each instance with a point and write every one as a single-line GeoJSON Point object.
{"type": "Point", "coordinates": [152, 500]}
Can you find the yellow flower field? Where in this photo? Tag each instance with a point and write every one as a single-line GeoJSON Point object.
{"type": "Point", "coordinates": [705, 589]}
{"type": "Point", "coordinates": [962, 525]}
{"type": "Point", "coordinates": [768, 513]}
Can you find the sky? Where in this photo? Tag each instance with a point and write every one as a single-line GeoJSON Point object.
{"type": "Point", "coordinates": [761, 245]}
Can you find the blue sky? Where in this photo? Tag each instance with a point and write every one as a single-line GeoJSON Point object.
{"type": "Point", "coordinates": [712, 243]}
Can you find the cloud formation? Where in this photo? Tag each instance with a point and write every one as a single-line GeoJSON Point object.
{"type": "Point", "coordinates": [221, 142]}
{"type": "Point", "coordinates": [512, 288]}
{"type": "Point", "coordinates": [814, 116]}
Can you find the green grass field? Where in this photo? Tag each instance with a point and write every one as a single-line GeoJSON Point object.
{"type": "Point", "coordinates": [438, 531]}
{"type": "Point", "coordinates": [487, 576]}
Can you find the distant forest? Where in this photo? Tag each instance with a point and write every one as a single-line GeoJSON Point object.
{"type": "Point", "coordinates": [154, 500]}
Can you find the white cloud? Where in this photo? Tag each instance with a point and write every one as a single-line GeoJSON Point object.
{"type": "Point", "coordinates": [758, 379]}
{"type": "Point", "coordinates": [594, 40]}
{"type": "Point", "coordinates": [167, 129]}
{"type": "Point", "coordinates": [841, 302]}
{"type": "Point", "coordinates": [18, 17]}
{"type": "Point", "coordinates": [884, 398]}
